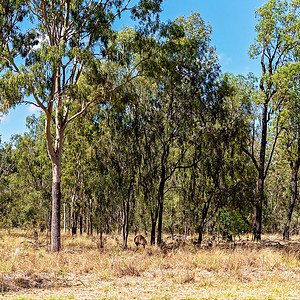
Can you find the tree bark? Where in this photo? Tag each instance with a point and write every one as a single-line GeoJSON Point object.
{"type": "Point", "coordinates": [56, 203]}
{"type": "Point", "coordinates": [159, 224]}
{"type": "Point", "coordinates": [74, 222]}
{"type": "Point", "coordinates": [101, 239]}
{"type": "Point", "coordinates": [125, 221]}
{"type": "Point", "coordinates": [64, 217]}
{"type": "Point", "coordinates": [153, 228]}
{"type": "Point", "coordinates": [81, 224]}
{"type": "Point", "coordinates": [125, 233]}
{"type": "Point", "coordinates": [127, 211]}
{"type": "Point", "coordinates": [200, 234]}
{"type": "Point", "coordinates": [91, 224]}
{"type": "Point", "coordinates": [203, 219]}
{"type": "Point", "coordinates": [55, 154]}
{"type": "Point", "coordinates": [257, 223]}
{"type": "Point", "coordinates": [160, 196]}
{"type": "Point", "coordinates": [88, 220]}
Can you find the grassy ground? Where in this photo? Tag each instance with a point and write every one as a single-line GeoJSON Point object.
{"type": "Point", "coordinates": [241, 270]}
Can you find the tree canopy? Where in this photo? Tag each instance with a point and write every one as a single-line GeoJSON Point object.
{"type": "Point", "coordinates": [140, 130]}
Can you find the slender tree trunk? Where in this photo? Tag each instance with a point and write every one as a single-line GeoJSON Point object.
{"type": "Point", "coordinates": [107, 227]}
{"type": "Point", "coordinates": [203, 219]}
{"type": "Point", "coordinates": [55, 154]}
{"type": "Point", "coordinates": [125, 228]}
{"type": "Point", "coordinates": [48, 222]}
{"type": "Point", "coordinates": [125, 221]}
{"type": "Point", "coordinates": [161, 204]}
{"type": "Point", "coordinates": [161, 194]}
{"type": "Point", "coordinates": [64, 217]}
{"type": "Point", "coordinates": [101, 239]}
{"type": "Point", "coordinates": [56, 203]}
{"type": "Point", "coordinates": [70, 218]}
{"type": "Point", "coordinates": [257, 223]}
{"type": "Point", "coordinates": [81, 224]}
{"type": "Point", "coordinates": [159, 223]}
{"type": "Point", "coordinates": [128, 211]}
{"type": "Point", "coordinates": [88, 220]}
{"type": "Point", "coordinates": [91, 224]}
{"type": "Point", "coordinates": [74, 222]}
{"type": "Point", "coordinates": [153, 228]}
{"type": "Point", "coordinates": [200, 234]}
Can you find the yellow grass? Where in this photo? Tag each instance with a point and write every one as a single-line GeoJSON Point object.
{"type": "Point", "coordinates": [247, 270]}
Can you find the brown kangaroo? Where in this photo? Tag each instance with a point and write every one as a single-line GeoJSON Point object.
{"type": "Point", "coordinates": [140, 240]}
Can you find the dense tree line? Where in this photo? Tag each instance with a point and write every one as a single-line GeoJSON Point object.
{"type": "Point", "coordinates": [143, 131]}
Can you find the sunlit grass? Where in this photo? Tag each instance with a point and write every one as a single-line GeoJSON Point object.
{"type": "Point", "coordinates": [82, 270]}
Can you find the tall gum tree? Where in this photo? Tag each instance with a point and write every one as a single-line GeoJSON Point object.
{"type": "Point", "coordinates": [288, 84]}
{"type": "Point", "coordinates": [277, 37]}
{"type": "Point", "coordinates": [45, 46]}
{"type": "Point", "coordinates": [184, 88]}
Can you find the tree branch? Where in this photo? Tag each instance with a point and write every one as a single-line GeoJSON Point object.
{"type": "Point", "coordinates": [251, 156]}
{"type": "Point", "coordinates": [273, 149]}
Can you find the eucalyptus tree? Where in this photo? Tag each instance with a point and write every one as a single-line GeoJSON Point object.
{"type": "Point", "coordinates": [76, 164]}
{"type": "Point", "coordinates": [277, 37]}
{"type": "Point", "coordinates": [7, 168]}
{"type": "Point", "coordinates": [6, 161]}
{"type": "Point", "coordinates": [86, 180]}
{"type": "Point", "coordinates": [31, 183]}
{"type": "Point", "coordinates": [123, 159]}
{"type": "Point", "coordinates": [221, 178]}
{"type": "Point", "coordinates": [288, 85]}
{"type": "Point", "coordinates": [172, 104]}
{"type": "Point", "coordinates": [58, 42]}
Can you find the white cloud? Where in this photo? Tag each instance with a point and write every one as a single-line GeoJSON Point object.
{"type": "Point", "coordinates": [32, 109]}
{"type": "Point", "coordinates": [224, 59]}
{"type": "Point", "coordinates": [4, 119]}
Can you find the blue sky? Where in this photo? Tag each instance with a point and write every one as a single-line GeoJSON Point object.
{"type": "Point", "coordinates": [233, 24]}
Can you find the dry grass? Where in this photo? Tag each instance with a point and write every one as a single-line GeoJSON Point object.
{"type": "Point", "coordinates": [245, 270]}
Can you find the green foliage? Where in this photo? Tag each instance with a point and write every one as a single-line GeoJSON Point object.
{"type": "Point", "coordinates": [277, 28]}
{"type": "Point", "coordinates": [277, 42]}
{"type": "Point", "coordinates": [230, 222]}
{"type": "Point", "coordinates": [167, 132]}
{"type": "Point", "coordinates": [31, 181]}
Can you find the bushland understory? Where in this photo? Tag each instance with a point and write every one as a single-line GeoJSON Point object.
{"type": "Point", "coordinates": [178, 269]}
